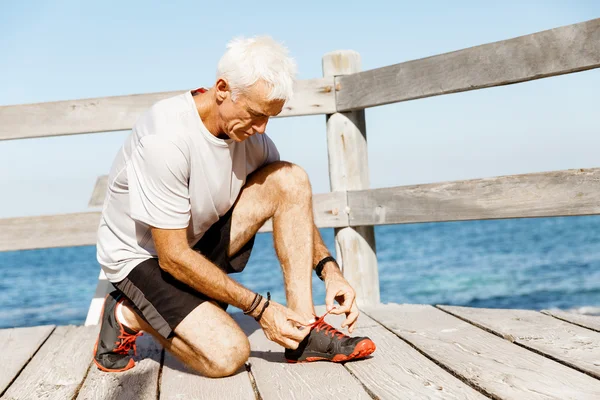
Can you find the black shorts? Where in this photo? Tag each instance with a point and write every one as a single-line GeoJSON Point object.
{"type": "Point", "coordinates": [164, 301]}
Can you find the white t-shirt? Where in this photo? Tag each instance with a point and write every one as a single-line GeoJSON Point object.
{"type": "Point", "coordinates": [171, 173]}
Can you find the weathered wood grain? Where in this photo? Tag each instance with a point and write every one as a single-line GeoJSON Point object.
{"type": "Point", "coordinates": [587, 321]}
{"type": "Point", "coordinates": [180, 382]}
{"type": "Point", "coordinates": [553, 52]}
{"type": "Point", "coordinates": [80, 229]}
{"type": "Point", "coordinates": [97, 198]}
{"type": "Point", "coordinates": [349, 170]}
{"type": "Point", "coordinates": [17, 346]}
{"type": "Point", "coordinates": [59, 367]}
{"type": "Point", "coordinates": [567, 343]}
{"type": "Point", "coordinates": [103, 114]}
{"type": "Point", "coordinates": [486, 361]}
{"type": "Point", "coordinates": [140, 382]}
{"type": "Point", "coordinates": [397, 371]}
{"type": "Point", "coordinates": [24, 233]}
{"type": "Point", "coordinates": [277, 379]}
{"type": "Point", "coordinates": [547, 194]}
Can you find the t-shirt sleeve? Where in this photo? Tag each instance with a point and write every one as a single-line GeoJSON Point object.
{"type": "Point", "coordinates": [158, 178]}
{"type": "Point", "coordinates": [271, 152]}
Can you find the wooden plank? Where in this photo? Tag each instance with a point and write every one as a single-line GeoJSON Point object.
{"type": "Point", "coordinates": [489, 363]}
{"type": "Point", "coordinates": [397, 371]}
{"type": "Point", "coordinates": [97, 198]}
{"type": "Point", "coordinates": [17, 346]}
{"type": "Point", "coordinates": [80, 229]}
{"type": "Point", "coordinates": [180, 382]}
{"type": "Point", "coordinates": [349, 170]}
{"type": "Point", "coordinates": [587, 321]}
{"type": "Point", "coordinates": [277, 379]}
{"type": "Point", "coordinates": [140, 382]}
{"type": "Point", "coordinates": [103, 287]}
{"type": "Point", "coordinates": [553, 52]}
{"type": "Point", "coordinates": [311, 97]}
{"type": "Point", "coordinates": [548, 194]}
{"type": "Point", "coordinates": [103, 114]}
{"type": "Point", "coordinates": [567, 343]}
{"type": "Point", "coordinates": [23, 233]}
{"type": "Point", "coordinates": [59, 367]}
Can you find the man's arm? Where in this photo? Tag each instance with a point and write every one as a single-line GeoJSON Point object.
{"type": "Point", "coordinates": [186, 265]}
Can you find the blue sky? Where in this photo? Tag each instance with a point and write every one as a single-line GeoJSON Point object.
{"type": "Point", "coordinates": [59, 50]}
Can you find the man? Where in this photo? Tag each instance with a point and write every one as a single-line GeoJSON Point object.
{"type": "Point", "coordinates": [186, 195]}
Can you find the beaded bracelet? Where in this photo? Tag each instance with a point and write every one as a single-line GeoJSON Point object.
{"type": "Point", "coordinates": [254, 304]}
{"type": "Point", "coordinates": [259, 316]}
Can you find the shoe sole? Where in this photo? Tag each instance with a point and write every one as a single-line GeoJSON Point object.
{"type": "Point", "coordinates": [362, 349]}
{"type": "Point", "coordinates": [129, 365]}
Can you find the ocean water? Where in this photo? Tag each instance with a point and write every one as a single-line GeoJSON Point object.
{"type": "Point", "coordinates": [528, 263]}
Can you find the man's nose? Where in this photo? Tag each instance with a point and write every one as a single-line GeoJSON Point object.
{"type": "Point", "coordinates": [260, 127]}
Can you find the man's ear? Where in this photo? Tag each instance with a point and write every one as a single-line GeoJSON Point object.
{"type": "Point", "coordinates": [223, 90]}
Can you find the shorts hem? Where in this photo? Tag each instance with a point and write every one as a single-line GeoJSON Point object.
{"type": "Point", "coordinates": [145, 307]}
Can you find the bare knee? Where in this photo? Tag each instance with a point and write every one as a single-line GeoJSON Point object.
{"type": "Point", "coordinates": [292, 181]}
{"type": "Point", "coordinates": [223, 361]}
{"type": "Point", "coordinates": [229, 360]}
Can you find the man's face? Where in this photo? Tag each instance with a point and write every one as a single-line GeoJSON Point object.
{"type": "Point", "coordinates": [249, 113]}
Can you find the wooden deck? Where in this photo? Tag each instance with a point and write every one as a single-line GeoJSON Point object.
{"type": "Point", "coordinates": [423, 352]}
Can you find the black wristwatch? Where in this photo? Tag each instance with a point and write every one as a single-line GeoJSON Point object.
{"type": "Point", "coordinates": [321, 264]}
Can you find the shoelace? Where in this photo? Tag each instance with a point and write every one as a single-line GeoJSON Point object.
{"type": "Point", "coordinates": [126, 342]}
{"type": "Point", "coordinates": [320, 324]}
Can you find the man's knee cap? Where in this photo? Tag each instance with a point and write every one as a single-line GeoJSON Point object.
{"type": "Point", "coordinates": [292, 176]}
{"type": "Point", "coordinates": [230, 360]}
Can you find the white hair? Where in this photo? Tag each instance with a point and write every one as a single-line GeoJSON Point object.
{"type": "Point", "coordinates": [249, 60]}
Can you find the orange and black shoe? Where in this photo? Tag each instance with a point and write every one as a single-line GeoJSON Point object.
{"type": "Point", "coordinates": [111, 353]}
{"type": "Point", "coordinates": [324, 342]}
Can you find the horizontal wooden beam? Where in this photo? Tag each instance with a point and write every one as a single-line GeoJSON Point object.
{"type": "Point", "coordinates": [46, 231]}
{"type": "Point", "coordinates": [553, 52]}
{"type": "Point", "coordinates": [79, 229]}
{"type": "Point", "coordinates": [314, 96]}
{"type": "Point", "coordinates": [548, 194]}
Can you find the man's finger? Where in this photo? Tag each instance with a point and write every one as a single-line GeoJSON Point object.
{"type": "Point", "coordinates": [288, 343]}
{"type": "Point", "coordinates": [353, 324]}
{"type": "Point", "coordinates": [329, 298]}
{"type": "Point", "coordinates": [295, 333]}
{"type": "Point", "coordinates": [351, 319]}
{"type": "Point", "coordinates": [345, 303]}
{"type": "Point", "coordinates": [298, 319]}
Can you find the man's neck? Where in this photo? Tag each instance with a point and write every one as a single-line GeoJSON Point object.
{"type": "Point", "coordinates": [207, 110]}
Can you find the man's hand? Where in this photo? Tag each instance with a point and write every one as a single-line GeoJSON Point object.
{"type": "Point", "coordinates": [282, 325]}
{"type": "Point", "coordinates": [338, 289]}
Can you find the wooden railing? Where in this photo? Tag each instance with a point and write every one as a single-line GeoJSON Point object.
{"type": "Point", "coordinates": [342, 94]}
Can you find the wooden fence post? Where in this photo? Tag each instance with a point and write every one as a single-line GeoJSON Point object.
{"type": "Point", "coordinates": [349, 170]}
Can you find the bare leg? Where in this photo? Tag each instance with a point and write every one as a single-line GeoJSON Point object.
{"type": "Point", "coordinates": [208, 340]}
{"type": "Point", "coordinates": [320, 250]}
{"type": "Point", "coordinates": [282, 191]}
